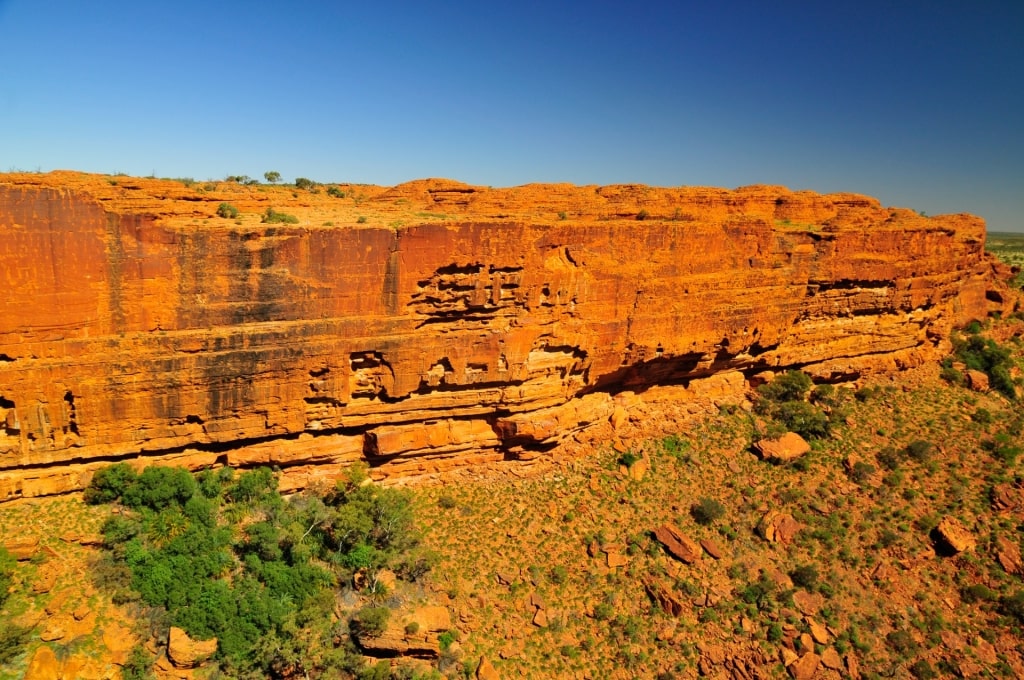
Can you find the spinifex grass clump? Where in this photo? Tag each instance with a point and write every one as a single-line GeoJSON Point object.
{"type": "Point", "coordinates": [227, 557]}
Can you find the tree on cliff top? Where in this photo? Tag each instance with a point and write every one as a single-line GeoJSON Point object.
{"type": "Point", "coordinates": [272, 176]}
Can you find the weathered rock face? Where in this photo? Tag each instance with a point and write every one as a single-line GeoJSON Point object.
{"type": "Point", "coordinates": [136, 325]}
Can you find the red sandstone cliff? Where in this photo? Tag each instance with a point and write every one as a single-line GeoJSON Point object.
{"type": "Point", "coordinates": [457, 325]}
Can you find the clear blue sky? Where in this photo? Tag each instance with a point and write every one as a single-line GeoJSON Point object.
{"type": "Point", "coordinates": [918, 103]}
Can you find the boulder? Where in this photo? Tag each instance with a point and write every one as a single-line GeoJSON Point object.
{"type": "Point", "coordinates": [977, 381]}
{"type": "Point", "coordinates": [23, 548]}
{"type": "Point", "coordinates": [44, 665]}
{"type": "Point", "coordinates": [778, 527]}
{"type": "Point", "coordinates": [184, 652]}
{"type": "Point", "coordinates": [485, 670]}
{"type": "Point", "coordinates": [665, 597]}
{"type": "Point", "coordinates": [1008, 556]}
{"type": "Point", "coordinates": [785, 449]}
{"type": "Point", "coordinates": [805, 667]}
{"type": "Point", "coordinates": [678, 544]}
{"type": "Point", "coordinates": [952, 533]}
{"type": "Point", "coordinates": [830, 659]}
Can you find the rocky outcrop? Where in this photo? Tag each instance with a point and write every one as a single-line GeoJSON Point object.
{"type": "Point", "coordinates": [455, 326]}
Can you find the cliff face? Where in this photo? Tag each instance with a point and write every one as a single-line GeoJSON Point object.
{"type": "Point", "coordinates": [479, 325]}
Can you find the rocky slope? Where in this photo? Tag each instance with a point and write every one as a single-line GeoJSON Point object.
{"type": "Point", "coordinates": [432, 324]}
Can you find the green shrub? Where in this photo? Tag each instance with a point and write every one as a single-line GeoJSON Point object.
{"type": "Point", "coordinates": [861, 472]}
{"type": "Point", "coordinates": [790, 386]}
{"type": "Point", "coordinates": [109, 483]}
{"type": "Point", "coordinates": [446, 639]}
{"type": "Point", "coordinates": [1013, 606]}
{"type": "Point", "coordinates": [803, 418]}
{"type": "Point", "coordinates": [158, 487]}
{"type": "Point", "coordinates": [273, 176]}
{"type": "Point", "coordinates": [706, 511]}
{"type": "Point", "coordinates": [805, 576]}
{"type": "Point", "coordinates": [628, 458]}
{"type": "Point", "coordinates": [361, 219]}
{"type": "Point", "coordinates": [984, 354]}
{"type": "Point", "coordinates": [335, 192]}
{"type": "Point", "coordinates": [889, 458]}
{"type": "Point", "coordinates": [558, 574]}
{"type": "Point", "coordinates": [138, 666]}
{"type": "Point", "coordinates": [13, 639]}
{"type": "Point", "coordinates": [918, 450]}
{"type": "Point", "coordinates": [271, 216]}
{"type": "Point", "coordinates": [371, 621]}
{"type": "Point", "coordinates": [447, 502]}
{"type": "Point", "coordinates": [266, 592]}
{"type": "Point", "coordinates": [304, 183]}
{"type": "Point", "coordinates": [978, 592]}
{"type": "Point", "coordinates": [7, 567]}
{"type": "Point", "coordinates": [922, 670]}
{"type": "Point", "coordinates": [412, 628]}
{"type": "Point", "coordinates": [227, 211]}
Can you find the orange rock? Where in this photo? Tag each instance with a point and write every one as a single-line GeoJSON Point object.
{"type": "Point", "coordinates": [44, 665]}
{"type": "Point", "coordinates": [805, 667]}
{"type": "Point", "coordinates": [977, 381]}
{"type": "Point", "coordinates": [953, 534]}
{"type": "Point", "coordinates": [778, 526]}
{"type": "Point", "coordinates": [485, 670]}
{"type": "Point", "coordinates": [678, 544]}
{"type": "Point", "coordinates": [184, 652]}
{"type": "Point", "coordinates": [785, 449]}
{"type": "Point", "coordinates": [23, 548]}
{"type": "Point", "coordinates": [493, 334]}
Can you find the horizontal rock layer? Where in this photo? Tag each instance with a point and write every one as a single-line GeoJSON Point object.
{"type": "Point", "coordinates": [131, 330]}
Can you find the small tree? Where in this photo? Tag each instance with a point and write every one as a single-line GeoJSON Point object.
{"type": "Point", "coordinates": [707, 511]}
{"type": "Point", "coordinates": [304, 183]}
{"type": "Point", "coordinates": [272, 176]}
{"type": "Point", "coordinates": [227, 211]}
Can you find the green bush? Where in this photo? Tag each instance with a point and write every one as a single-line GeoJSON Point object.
{"type": "Point", "coordinates": [706, 511]}
{"type": "Point", "coordinates": [138, 666]}
{"type": "Point", "coordinates": [227, 211]}
{"type": "Point", "coordinates": [790, 386]}
{"type": "Point", "coordinates": [335, 192]}
{"type": "Point", "coordinates": [922, 670]}
{"type": "Point", "coordinates": [304, 183]}
{"type": "Point", "coordinates": [628, 458]}
{"type": "Point", "coordinates": [861, 472]}
{"type": "Point", "coordinates": [370, 621]}
{"type": "Point", "coordinates": [918, 450]}
{"type": "Point", "coordinates": [109, 483]}
{"type": "Point", "coordinates": [984, 354]}
{"type": "Point", "coordinates": [805, 576]}
{"type": "Point", "coordinates": [1013, 606]}
{"type": "Point", "coordinates": [158, 487]}
{"type": "Point", "coordinates": [7, 567]}
{"type": "Point", "coordinates": [271, 216]}
{"type": "Point", "coordinates": [978, 592]}
{"type": "Point", "coordinates": [272, 176]}
{"type": "Point", "coordinates": [803, 418]}
{"type": "Point", "coordinates": [446, 639]}
{"type": "Point", "coordinates": [13, 639]}
{"type": "Point", "coordinates": [266, 591]}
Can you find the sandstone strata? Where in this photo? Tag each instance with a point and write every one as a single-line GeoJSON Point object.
{"type": "Point", "coordinates": [458, 325]}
